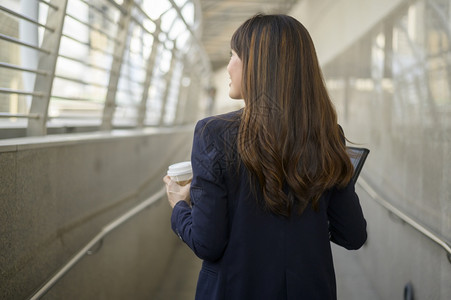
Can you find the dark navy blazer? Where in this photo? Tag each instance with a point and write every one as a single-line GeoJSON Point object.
{"type": "Point", "coordinates": [249, 253]}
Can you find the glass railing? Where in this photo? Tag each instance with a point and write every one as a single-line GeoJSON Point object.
{"type": "Point", "coordinates": [100, 65]}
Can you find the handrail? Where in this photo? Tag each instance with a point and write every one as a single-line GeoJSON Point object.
{"type": "Point", "coordinates": [98, 10]}
{"type": "Point", "coordinates": [94, 28]}
{"type": "Point", "coordinates": [19, 68]}
{"type": "Point", "coordinates": [118, 6]}
{"type": "Point", "coordinates": [105, 52]}
{"type": "Point", "coordinates": [77, 99]}
{"type": "Point", "coordinates": [80, 81]}
{"type": "Point", "coordinates": [19, 42]}
{"type": "Point", "coordinates": [25, 116]}
{"type": "Point", "coordinates": [158, 195]}
{"type": "Point", "coordinates": [97, 239]}
{"type": "Point", "coordinates": [23, 17]}
{"type": "Point", "coordinates": [49, 4]}
{"type": "Point", "coordinates": [101, 68]}
{"type": "Point", "coordinates": [404, 217]}
{"type": "Point", "coordinates": [20, 92]}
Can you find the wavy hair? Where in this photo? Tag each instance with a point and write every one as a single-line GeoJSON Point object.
{"type": "Point", "coordinates": [288, 136]}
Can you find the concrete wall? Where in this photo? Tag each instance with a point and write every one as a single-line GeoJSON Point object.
{"type": "Point", "coordinates": [395, 100]}
{"type": "Point", "coordinates": [335, 24]}
{"type": "Point", "coordinates": [57, 193]}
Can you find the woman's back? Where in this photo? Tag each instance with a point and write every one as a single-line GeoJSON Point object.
{"type": "Point", "coordinates": [249, 252]}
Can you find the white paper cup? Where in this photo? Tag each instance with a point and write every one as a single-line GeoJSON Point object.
{"type": "Point", "coordinates": [181, 172]}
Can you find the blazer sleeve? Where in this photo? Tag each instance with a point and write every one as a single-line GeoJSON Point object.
{"type": "Point", "coordinates": [204, 226]}
{"type": "Point", "coordinates": [347, 225]}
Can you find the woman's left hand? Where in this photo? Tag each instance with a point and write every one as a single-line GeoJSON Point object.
{"type": "Point", "coordinates": [176, 192]}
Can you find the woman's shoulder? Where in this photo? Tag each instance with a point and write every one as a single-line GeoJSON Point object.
{"type": "Point", "coordinates": [218, 132]}
{"type": "Point", "coordinates": [218, 123]}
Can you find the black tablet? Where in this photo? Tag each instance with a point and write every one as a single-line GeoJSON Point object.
{"type": "Point", "coordinates": [358, 157]}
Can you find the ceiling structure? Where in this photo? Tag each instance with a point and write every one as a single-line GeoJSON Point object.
{"type": "Point", "coordinates": [220, 19]}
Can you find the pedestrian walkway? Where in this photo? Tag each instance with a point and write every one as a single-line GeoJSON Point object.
{"type": "Point", "coordinates": [352, 282]}
{"type": "Point", "coordinates": [181, 276]}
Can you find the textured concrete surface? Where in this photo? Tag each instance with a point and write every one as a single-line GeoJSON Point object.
{"type": "Point", "coordinates": [397, 105]}
{"type": "Point", "coordinates": [352, 281]}
{"type": "Point", "coordinates": [180, 279]}
{"type": "Point", "coordinates": [57, 193]}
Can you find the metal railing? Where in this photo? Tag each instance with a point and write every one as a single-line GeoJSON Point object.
{"type": "Point", "coordinates": [122, 20]}
{"type": "Point", "coordinates": [98, 239]}
{"type": "Point", "coordinates": [404, 217]}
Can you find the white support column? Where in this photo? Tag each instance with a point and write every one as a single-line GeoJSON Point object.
{"type": "Point", "coordinates": [149, 74]}
{"type": "Point", "coordinates": [29, 32]}
{"type": "Point", "coordinates": [168, 78]}
{"type": "Point", "coordinates": [47, 62]}
{"type": "Point", "coordinates": [119, 50]}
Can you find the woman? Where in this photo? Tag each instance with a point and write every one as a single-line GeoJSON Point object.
{"type": "Point", "coordinates": [271, 183]}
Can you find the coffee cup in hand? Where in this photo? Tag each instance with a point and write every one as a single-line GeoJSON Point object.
{"type": "Point", "coordinates": [181, 172]}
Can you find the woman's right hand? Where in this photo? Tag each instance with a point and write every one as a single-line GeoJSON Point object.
{"type": "Point", "coordinates": [176, 192]}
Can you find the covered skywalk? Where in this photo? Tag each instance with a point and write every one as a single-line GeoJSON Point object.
{"type": "Point", "coordinates": [98, 97]}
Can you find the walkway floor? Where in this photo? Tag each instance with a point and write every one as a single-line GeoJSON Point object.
{"type": "Point", "coordinates": [180, 284]}
{"type": "Point", "coordinates": [352, 282]}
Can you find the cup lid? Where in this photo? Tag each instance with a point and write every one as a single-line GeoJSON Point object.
{"type": "Point", "coordinates": [180, 168]}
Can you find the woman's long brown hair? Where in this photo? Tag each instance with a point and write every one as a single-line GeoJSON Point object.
{"type": "Point", "coordinates": [288, 138]}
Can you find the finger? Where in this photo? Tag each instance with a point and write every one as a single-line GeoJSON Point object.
{"type": "Point", "coordinates": [186, 187]}
{"type": "Point", "coordinates": [167, 179]}
{"type": "Point", "coordinates": [183, 190]}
